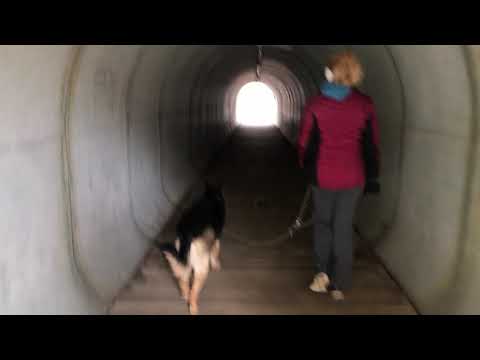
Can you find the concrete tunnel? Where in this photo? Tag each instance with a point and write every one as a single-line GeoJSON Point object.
{"type": "Point", "coordinates": [100, 144]}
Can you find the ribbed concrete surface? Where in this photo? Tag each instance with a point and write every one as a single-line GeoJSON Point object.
{"type": "Point", "coordinates": [260, 276]}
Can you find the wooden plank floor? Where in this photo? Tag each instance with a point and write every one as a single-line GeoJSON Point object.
{"type": "Point", "coordinates": [263, 190]}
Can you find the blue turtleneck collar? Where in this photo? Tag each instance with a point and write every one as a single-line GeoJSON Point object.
{"type": "Point", "coordinates": [335, 91]}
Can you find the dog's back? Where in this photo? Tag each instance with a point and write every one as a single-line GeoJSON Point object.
{"type": "Point", "coordinates": [207, 213]}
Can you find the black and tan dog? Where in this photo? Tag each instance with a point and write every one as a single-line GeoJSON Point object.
{"type": "Point", "coordinates": [197, 247]}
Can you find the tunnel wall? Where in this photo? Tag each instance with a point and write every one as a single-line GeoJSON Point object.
{"type": "Point", "coordinates": [131, 152]}
{"type": "Point", "coordinates": [424, 246]}
{"type": "Point", "coordinates": [464, 295]}
{"type": "Point", "coordinates": [37, 275]}
{"type": "Point", "coordinates": [95, 153]}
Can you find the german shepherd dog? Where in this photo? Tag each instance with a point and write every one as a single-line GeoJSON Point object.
{"type": "Point", "coordinates": [197, 246]}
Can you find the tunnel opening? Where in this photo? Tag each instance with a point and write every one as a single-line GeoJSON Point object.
{"type": "Point", "coordinates": [256, 106]}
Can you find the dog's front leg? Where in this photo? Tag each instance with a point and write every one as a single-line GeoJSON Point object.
{"type": "Point", "coordinates": [199, 279]}
{"type": "Point", "coordinates": [200, 261]}
{"type": "Point", "coordinates": [184, 284]}
{"type": "Point", "coordinates": [215, 256]}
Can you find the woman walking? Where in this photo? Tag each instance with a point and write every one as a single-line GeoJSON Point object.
{"type": "Point", "coordinates": [340, 125]}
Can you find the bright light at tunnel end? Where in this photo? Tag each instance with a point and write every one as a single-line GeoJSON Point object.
{"type": "Point", "coordinates": [256, 106]}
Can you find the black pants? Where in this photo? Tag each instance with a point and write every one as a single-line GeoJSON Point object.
{"type": "Point", "coordinates": [333, 234]}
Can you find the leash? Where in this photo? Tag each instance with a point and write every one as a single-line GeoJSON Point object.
{"type": "Point", "coordinates": [298, 225]}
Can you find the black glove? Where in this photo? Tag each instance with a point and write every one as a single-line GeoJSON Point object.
{"type": "Point", "coordinates": [372, 187]}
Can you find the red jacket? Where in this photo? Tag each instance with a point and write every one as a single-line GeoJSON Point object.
{"type": "Point", "coordinates": [345, 139]}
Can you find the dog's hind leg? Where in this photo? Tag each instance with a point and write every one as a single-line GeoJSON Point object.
{"type": "Point", "coordinates": [200, 260]}
{"type": "Point", "coordinates": [199, 279]}
{"type": "Point", "coordinates": [184, 284]}
{"type": "Point", "coordinates": [215, 256]}
{"type": "Point", "coordinates": [182, 273]}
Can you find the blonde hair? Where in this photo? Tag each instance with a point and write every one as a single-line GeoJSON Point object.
{"type": "Point", "coordinates": [346, 68]}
